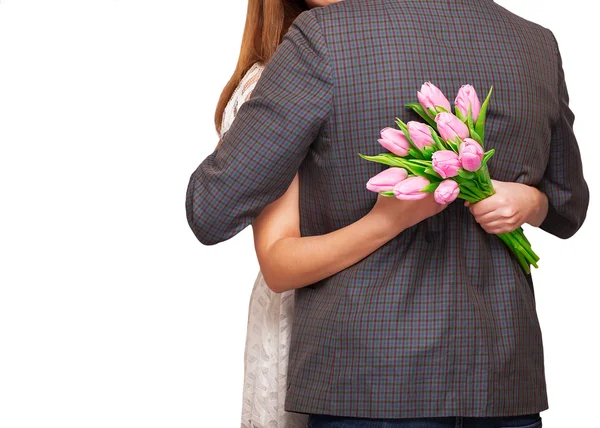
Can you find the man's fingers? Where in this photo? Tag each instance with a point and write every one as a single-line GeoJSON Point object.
{"type": "Point", "coordinates": [489, 218]}
{"type": "Point", "coordinates": [498, 230]}
{"type": "Point", "coordinates": [493, 228]}
{"type": "Point", "coordinates": [483, 207]}
{"type": "Point", "coordinates": [499, 226]}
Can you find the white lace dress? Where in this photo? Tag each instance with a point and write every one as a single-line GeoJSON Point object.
{"type": "Point", "coordinates": [270, 318]}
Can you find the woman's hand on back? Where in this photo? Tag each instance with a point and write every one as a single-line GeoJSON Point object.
{"type": "Point", "coordinates": [397, 215]}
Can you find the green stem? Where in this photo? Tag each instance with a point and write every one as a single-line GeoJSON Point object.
{"type": "Point", "coordinates": [467, 198]}
{"type": "Point", "coordinates": [520, 237]}
{"type": "Point", "coordinates": [522, 233]}
{"type": "Point", "coordinates": [476, 194]}
{"type": "Point", "coordinates": [511, 245]}
{"type": "Point", "coordinates": [467, 192]}
{"type": "Point", "coordinates": [529, 257]}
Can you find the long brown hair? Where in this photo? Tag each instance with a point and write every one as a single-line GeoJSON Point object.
{"type": "Point", "coordinates": [266, 23]}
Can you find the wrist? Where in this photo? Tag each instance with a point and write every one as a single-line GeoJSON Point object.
{"type": "Point", "coordinates": [383, 225]}
{"type": "Point", "coordinates": [539, 207]}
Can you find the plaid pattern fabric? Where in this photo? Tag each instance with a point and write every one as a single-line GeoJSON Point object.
{"type": "Point", "coordinates": [441, 320]}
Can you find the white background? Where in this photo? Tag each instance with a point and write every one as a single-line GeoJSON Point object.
{"type": "Point", "coordinates": [112, 314]}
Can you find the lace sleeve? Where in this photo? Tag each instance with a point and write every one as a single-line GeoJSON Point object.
{"type": "Point", "coordinates": [240, 95]}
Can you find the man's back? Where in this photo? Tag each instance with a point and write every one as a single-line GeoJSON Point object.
{"type": "Point", "coordinates": [441, 320]}
{"type": "Point", "coordinates": [382, 51]}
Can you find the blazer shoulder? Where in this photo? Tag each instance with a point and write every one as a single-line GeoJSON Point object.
{"type": "Point", "coordinates": [348, 15]}
{"type": "Point", "coordinates": [530, 27]}
{"type": "Point", "coordinates": [347, 9]}
{"type": "Point", "coordinates": [534, 35]}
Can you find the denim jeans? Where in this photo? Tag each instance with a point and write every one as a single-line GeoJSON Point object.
{"type": "Point", "coordinates": [525, 421]}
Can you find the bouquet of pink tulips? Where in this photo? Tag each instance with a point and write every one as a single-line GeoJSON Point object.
{"type": "Point", "coordinates": [445, 155]}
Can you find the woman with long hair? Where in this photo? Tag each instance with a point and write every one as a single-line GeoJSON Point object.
{"type": "Point", "coordinates": [287, 260]}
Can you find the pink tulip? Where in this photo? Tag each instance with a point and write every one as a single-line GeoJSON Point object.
{"type": "Point", "coordinates": [470, 154]}
{"type": "Point", "coordinates": [451, 127]}
{"type": "Point", "coordinates": [410, 188]}
{"type": "Point", "coordinates": [467, 96]}
{"type": "Point", "coordinates": [420, 134]}
{"type": "Point", "coordinates": [446, 192]}
{"type": "Point", "coordinates": [386, 179]}
{"type": "Point", "coordinates": [430, 96]}
{"type": "Point", "coordinates": [395, 141]}
{"type": "Point", "coordinates": [445, 163]}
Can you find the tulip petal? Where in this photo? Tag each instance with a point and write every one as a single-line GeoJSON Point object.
{"type": "Point", "coordinates": [446, 192]}
{"type": "Point", "coordinates": [411, 197]}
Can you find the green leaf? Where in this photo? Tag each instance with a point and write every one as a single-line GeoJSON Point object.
{"type": "Point", "coordinates": [480, 125]}
{"type": "Point", "coordinates": [434, 131]}
{"type": "Point", "coordinates": [483, 174]}
{"type": "Point", "coordinates": [423, 162]}
{"type": "Point", "coordinates": [467, 184]}
{"type": "Point", "coordinates": [467, 198]}
{"type": "Point", "coordinates": [413, 166]}
{"type": "Point", "coordinates": [402, 126]}
{"type": "Point", "coordinates": [459, 114]}
{"type": "Point", "coordinates": [476, 137]}
{"type": "Point", "coordinates": [428, 152]}
{"type": "Point", "coordinates": [452, 145]}
{"type": "Point", "coordinates": [440, 109]}
{"type": "Point", "coordinates": [432, 112]}
{"type": "Point", "coordinates": [431, 187]}
{"type": "Point", "coordinates": [387, 194]}
{"type": "Point", "coordinates": [472, 133]}
{"type": "Point", "coordinates": [385, 159]}
{"type": "Point", "coordinates": [431, 171]}
{"type": "Point", "coordinates": [415, 169]}
{"type": "Point", "coordinates": [484, 180]}
{"type": "Point", "coordinates": [418, 108]}
{"type": "Point", "coordinates": [470, 120]}
{"type": "Point", "coordinates": [438, 141]}
{"type": "Point", "coordinates": [415, 153]}
{"type": "Point", "coordinates": [487, 156]}
{"type": "Point", "coordinates": [469, 192]}
{"type": "Point", "coordinates": [467, 175]}
{"type": "Point", "coordinates": [410, 165]}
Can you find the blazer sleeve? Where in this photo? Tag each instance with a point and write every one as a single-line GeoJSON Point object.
{"type": "Point", "coordinates": [271, 135]}
{"type": "Point", "coordinates": [563, 181]}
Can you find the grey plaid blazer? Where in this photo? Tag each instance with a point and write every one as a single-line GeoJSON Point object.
{"type": "Point", "coordinates": [441, 320]}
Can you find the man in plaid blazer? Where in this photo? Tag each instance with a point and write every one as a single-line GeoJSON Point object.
{"type": "Point", "coordinates": [440, 321]}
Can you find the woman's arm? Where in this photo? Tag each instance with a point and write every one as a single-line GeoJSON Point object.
{"type": "Point", "coordinates": [289, 261]}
